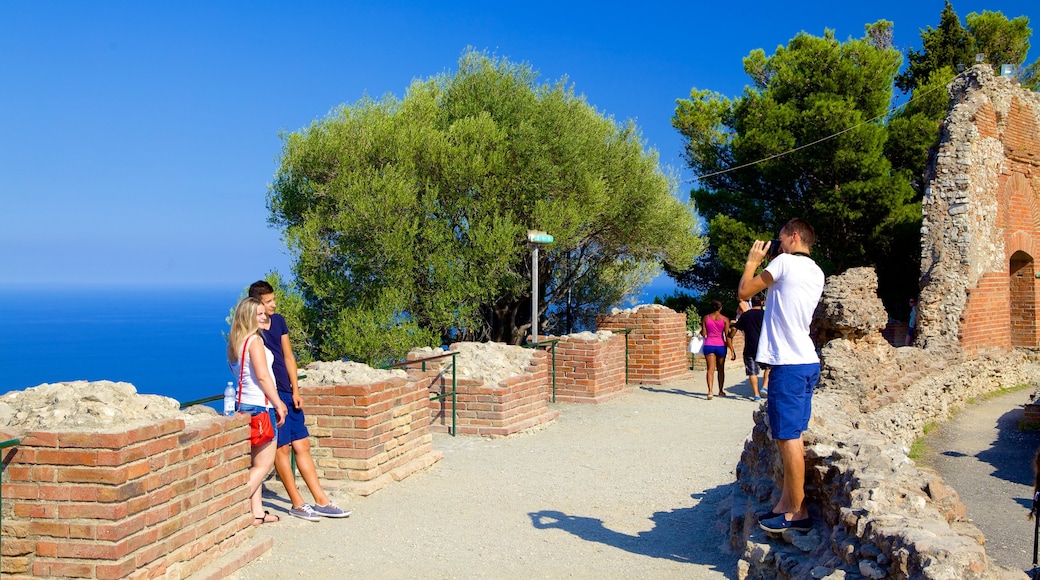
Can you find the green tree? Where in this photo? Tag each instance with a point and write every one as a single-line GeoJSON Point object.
{"type": "Point", "coordinates": [763, 157]}
{"type": "Point", "coordinates": [951, 46]}
{"type": "Point", "coordinates": [407, 218]}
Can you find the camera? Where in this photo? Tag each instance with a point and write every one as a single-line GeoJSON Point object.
{"type": "Point", "coordinates": [773, 249]}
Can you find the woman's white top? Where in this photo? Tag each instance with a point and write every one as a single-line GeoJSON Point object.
{"type": "Point", "coordinates": [251, 393]}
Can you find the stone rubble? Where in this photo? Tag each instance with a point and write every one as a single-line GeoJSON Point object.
{"type": "Point", "coordinates": [89, 406]}
{"type": "Point", "coordinates": [599, 336]}
{"type": "Point", "coordinates": [637, 308]}
{"type": "Point", "coordinates": [345, 373]}
{"type": "Point", "coordinates": [491, 361]}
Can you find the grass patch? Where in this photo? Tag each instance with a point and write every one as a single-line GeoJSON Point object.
{"type": "Point", "coordinates": [919, 448]}
{"type": "Point", "coordinates": [1001, 391]}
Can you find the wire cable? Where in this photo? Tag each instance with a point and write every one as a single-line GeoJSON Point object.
{"type": "Point", "coordinates": [820, 140]}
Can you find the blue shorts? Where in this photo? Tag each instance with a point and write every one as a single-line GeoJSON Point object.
{"type": "Point", "coordinates": [790, 399]}
{"type": "Point", "coordinates": [294, 427]}
{"type": "Point", "coordinates": [256, 410]}
{"type": "Point", "coordinates": [718, 351]}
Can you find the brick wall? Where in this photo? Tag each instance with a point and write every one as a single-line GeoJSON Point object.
{"type": "Point", "coordinates": [589, 370]}
{"type": "Point", "coordinates": [981, 229]}
{"type": "Point", "coordinates": [514, 404]}
{"type": "Point", "coordinates": [984, 325]}
{"type": "Point", "coordinates": [365, 436]}
{"type": "Point", "coordinates": [162, 499]}
{"type": "Point", "coordinates": [657, 345]}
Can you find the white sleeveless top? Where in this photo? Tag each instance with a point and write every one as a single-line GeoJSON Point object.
{"type": "Point", "coordinates": [251, 393]}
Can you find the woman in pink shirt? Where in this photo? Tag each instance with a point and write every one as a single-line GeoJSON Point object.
{"type": "Point", "coordinates": [715, 330]}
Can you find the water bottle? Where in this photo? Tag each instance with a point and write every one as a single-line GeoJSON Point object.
{"type": "Point", "coordinates": [229, 399]}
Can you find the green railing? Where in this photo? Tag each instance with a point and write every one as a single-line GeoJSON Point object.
{"type": "Point", "coordinates": [552, 351]}
{"type": "Point", "coordinates": [454, 381]}
{"type": "Point", "coordinates": [5, 445]}
{"type": "Point", "coordinates": [212, 399]}
{"type": "Point", "coordinates": [626, 332]}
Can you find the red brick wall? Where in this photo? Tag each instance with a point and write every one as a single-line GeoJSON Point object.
{"type": "Point", "coordinates": [657, 345]}
{"type": "Point", "coordinates": [589, 370]}
{"type": "Point", "coordinates": [1001, 311]}
{"type": "Point", "coordinates": [364, 437]}
{"type": "Point", "coordinates": [514, 404]}
{"type": "Point", "coordinates": [159, 499]}
{"type": "Point", "coordinates": [984, 325]}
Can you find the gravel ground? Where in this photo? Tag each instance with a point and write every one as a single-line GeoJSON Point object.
{"type": "Point", "coordinates": [983, 455]}
{"type": "Point", "coordinates": [629, 488]}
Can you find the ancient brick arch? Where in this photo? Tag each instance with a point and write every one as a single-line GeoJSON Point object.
{"type": "Point", "coordinates": [981, 231]}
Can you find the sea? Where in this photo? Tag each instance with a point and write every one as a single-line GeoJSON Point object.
{"type": "Point", "coordinates": [164, 341]}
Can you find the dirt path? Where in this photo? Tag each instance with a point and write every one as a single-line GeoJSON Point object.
{"type": "Point", "coordinates": [983, 455]}
{"type": "Point", "coordinates": [629, 488]}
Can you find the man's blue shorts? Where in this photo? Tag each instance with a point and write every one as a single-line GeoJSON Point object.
{"type": "Point", "coordinates": [718, 351]}
{"type": "Point", "coordinates": [294, 427]}
{"type": "Point", "coordinates": [790, 399]}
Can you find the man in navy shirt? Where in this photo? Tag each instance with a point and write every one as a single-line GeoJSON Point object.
{"type": "Point", "coordinates": [294, 432]}
{"type": "Point", "coordinates": [750, 323]}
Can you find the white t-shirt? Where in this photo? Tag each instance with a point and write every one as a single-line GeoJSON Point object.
{"type": "Point", "coordinates": [790, 303]}
{"type": "Point", "coordinates": [251, 393]}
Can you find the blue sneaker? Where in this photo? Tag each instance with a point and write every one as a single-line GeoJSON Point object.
{"type": "Point", "coordinates": [330, 511]}
{"type": "Point", "coordinates": [780, 523]}
{"type": "Point", "coordinates": [757, 399]}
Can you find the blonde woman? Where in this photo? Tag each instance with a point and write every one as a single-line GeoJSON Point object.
{"type": "Point", "coordinates": [258, 392]}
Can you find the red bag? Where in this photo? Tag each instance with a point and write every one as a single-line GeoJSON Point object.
{"type": "Point", "coordinates": [260, 428]}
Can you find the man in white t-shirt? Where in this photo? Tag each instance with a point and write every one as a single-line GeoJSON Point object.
{"type": "Point", "coordinates": [795, 284]}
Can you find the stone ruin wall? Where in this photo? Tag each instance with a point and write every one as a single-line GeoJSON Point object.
{"type": "Point", "coordinates": [981, 228]}
{"type": "Point", "coordinates": [883, 517]}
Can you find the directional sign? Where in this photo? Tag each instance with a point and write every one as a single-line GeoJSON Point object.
{"type": "Point", "coordinates": [537, 237]}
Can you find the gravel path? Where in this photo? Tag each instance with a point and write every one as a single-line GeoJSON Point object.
{"type": "Point", "coordinates": [983, 455]}
{"type": "Point", "coordinates": [628, 488]}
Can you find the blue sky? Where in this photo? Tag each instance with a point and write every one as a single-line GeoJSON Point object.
{"type": "Point", "coordinates": [137, 139]}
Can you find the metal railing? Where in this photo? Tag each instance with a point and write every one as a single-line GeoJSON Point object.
{"type": "Point", "coordinates": [454, 381]}
{"type": "Point", "coordinates": [626, 332]}
{"type": "Point", "coordinates": [552, 352]}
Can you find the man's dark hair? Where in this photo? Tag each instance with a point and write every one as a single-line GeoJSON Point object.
{"type": "Point", "coordinates": [259, 288]}
{"type": "Point", "coordinates": [805, 231]}
{"type": "Point", "coordinates": [756, 300]}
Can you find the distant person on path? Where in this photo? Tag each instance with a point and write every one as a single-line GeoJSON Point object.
{"type": "Point", "coordinates": [715, 330]}
{"type": "Point", "coordinates": [294, 434]}
{"type": "Point", "coordinates": [258, 392]}
{"type": "Point", "coordinates": [750, 323]}
{"type": "Point", "coordinates": [911, 332]}
{"type": "Point", "coordinates": [795, 284]}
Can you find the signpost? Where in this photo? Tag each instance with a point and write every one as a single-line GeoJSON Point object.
{"type": "Point", "coordinates": [535, 238]}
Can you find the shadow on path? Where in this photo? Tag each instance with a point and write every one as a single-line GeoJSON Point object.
{"type": "Point", "coordinates": [741, 390]}
{"type": "Point", "coordinates": [681, 535]}
{"type": "Point", "coordinates": [1011, 455]}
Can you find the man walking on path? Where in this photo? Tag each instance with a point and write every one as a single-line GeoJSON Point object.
{"type": "Point", "coordinates": [750, 323]}
{"type": "Point", "coordinates": [294, 432]}
{"type": "Point", "coordinates": [795, 284]}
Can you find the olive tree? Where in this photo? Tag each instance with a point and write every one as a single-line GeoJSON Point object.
{"type": "Point", "coordinates": [407, 218]}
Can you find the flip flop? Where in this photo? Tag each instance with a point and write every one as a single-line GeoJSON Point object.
{"type": "Point", "coordinates": [268, 518]}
